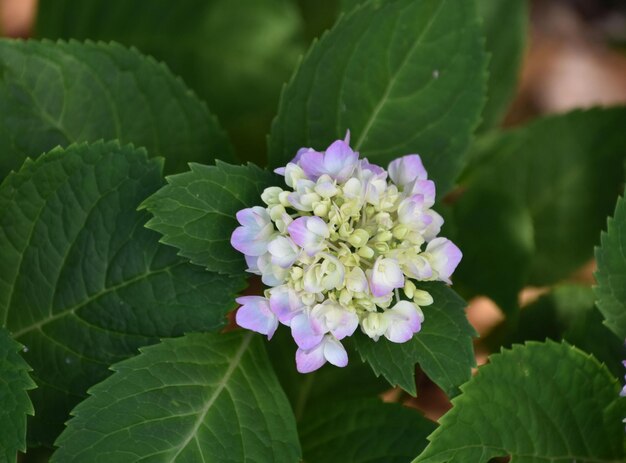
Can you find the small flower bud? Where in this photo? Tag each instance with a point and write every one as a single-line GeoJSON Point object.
{"type": "Point", "coordinates": [359, 238]}
{"type": "Point", "coordinates": [400, 231]}
{"type": "Point", "coordinates": [422, 298]}
{"type": "Point", "coordinates": [320, 209]}
{"type": "Point", "coordinates": [383, 236]}
{"type": "Point", "coordinates": [366, 252]}
{"type": "Point", "coordinates": [409, 289]}
{"type": "Point", "coordinates": [270, 195]}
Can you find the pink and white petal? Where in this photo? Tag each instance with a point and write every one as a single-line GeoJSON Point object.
{"type": "Point", "coordinates": [406, 169]}
{"type": "Point", "coordinates": [445, 256]}
{"type": "Point", "coordinates": [311, 359]}
{"type": "Point", "coordinates": [399, 331]}
{"type": "Point", "coordinates": [347, 325]}
{"type": "Point", "coordinates": [255, 314]}
{"type": "Point", "coordinates": [303, 333]}
{"type": "Point", "coordinates": [312, 163]}
{"type": "Point", "coordinates": [409, 312]}
{"type": "Point", "coordinates": [425, 188]}
{"type": "Point", "coordinates": [252, 263]}
{"type": "Point", "coordinates": [317, 226]}
{"type": "Point", "coordinates": [285, 304]}
{"type": "Point", "coordinates": [245, 240]}
{"type": "Point", "coordinates": [334, 352]}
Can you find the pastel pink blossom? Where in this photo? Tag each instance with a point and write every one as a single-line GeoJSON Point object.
{"type": "Point", "coordinates": [329, 349]}
{"type": "Point", "coordinates": [255, 314]}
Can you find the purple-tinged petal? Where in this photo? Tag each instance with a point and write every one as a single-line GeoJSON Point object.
{"type": "Point", "coordinates": [385, 277]}
{"type": "Point", "coordinates": [406, 169]}
{"type": "Point", "coordinates": [334, 318]}
{"type": "Point", "coordinates": [252, 263]}
{"type": "Point", "coordinates": [312, 163]}
{"type": "Point", "coordinates": [311, 359]}
{"type": "Point", "coordinates": [403, 320]}
{"type": "Point", "coordinates": [285, 303]}
{"type": "Point", "coordinates": [334, 352]}
{"type": "Point", "coordinates": [309, 233]}
{"type": "Point", "coordinates": [255, 314]}
{"type": "Point", "coordinates": [303, 332]}
{"type": "Point", "coordinates": [340, 161]}
{"type": "Point", "coordinates": [245, 241]}
{"type": "Point", "coordinates": [444, 257]}
{"type": "Point", "coordinates": [375, 169]}
{"type": "Point", "coordinates": [425, 188]}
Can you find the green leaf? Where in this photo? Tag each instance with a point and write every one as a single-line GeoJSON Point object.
{"type": "Point", "coordinates": [403, 76]}
{"type": "Point", "coordinates": [310, 391]}
{"type": "Point", "coordinates": [195, 211]}
{"type": "Point", "coordinates": [505, 25]}
{"type": "Point", "coordinates": [14, 401]}
{"type": "Point", "coordinates": [197, 398]}
{"type": "Point", "coordinates": [83, 283]}
{"type": "Point", "coordinates": [611, 257]}
{"type": "Point", "coordinates": [363, 431]}
{"type": "Point", "coordinates": [559, 168]}
{"type": "Point", "coordinates": [536, 403]}
{"type": "Point", "coordinates": [568, 312]}
{"type": "Point", "coordinates": [59, 93]}
{"type": "Point", "coordinates": [235, 54]}
{"type": "Point", "coordinates": [489, 225]}
{"type": "Point", "coordinates": [443, 348]}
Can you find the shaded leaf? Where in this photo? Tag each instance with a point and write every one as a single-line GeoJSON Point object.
{"type": "Point", "coordinates": [310, 391]}
{"type": "Point", "coordinates": [611, 274]}
{"type": "Point", "coordinates": [83, 283]}
{"type": "Point", "coordinates": [568, 312]}
{"type": "Point", "coordinates": [14, 401]}
{"type": "Point", "coordinates": [197, 398]}
{"type": "Point", "coordinates": [505, 26]}
{"type": "Point", "coordinates": [363, 431]}
{"type": "Point", "coordinates": [443, 347]}
{"type": "Point", "coordinates": [489, 225]}
{"type": "Point", "coordinates": [195, 211]}
{"type": "Point", "coordinates": [403, 76]}
{"type": "Point", "coordinates": [59, 93]}
{"type": "Point", "coordinates": [560, 169]}
{"type": "Point", "coordinates": [235, 54]}
{"type": "Point", "coordinates": [537, 402]}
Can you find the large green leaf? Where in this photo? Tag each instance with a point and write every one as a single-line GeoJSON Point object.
{"type": "Point", "coordinates": [488, 225]}
{"type": "Point", "coordinates": [404, 76]}
{"type": "Point", "coordinates": [560, 169]}
{"type": "Point", "coordinates": [310, 391]}
{"type": "Point", "coordinates": [363, 431]}
{"type": "Point", "coordinates": [235, 54]}
{"type": "Point", "coordinates": [505, 24]}
{"type": "Point", "coordinates": [198, 398]}
{"type": "Point", "coordinates": [611, 274]}
{"type": "Point", "coordinates": [536, 403]}
{"type": "Point", "coordinates": [443, 348]}
{"type": "Point", "coordinates": [59, 93]}
{"type": "Point", "coordinates": [83, 283]}
{"type": "Point", "coordinates": [14, 401]}
{"type": "Point", "coordinates": [195, 211]}
{"type": "Point", "coordinates": [568, 312]}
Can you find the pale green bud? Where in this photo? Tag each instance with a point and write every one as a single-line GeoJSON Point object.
{"type": "Point", "coordinates": [409, 288]}
{"type": "Point", "coordinates": [400, 231]}
{"type": "Point", "coordinates": [366, 252]}
{"type": "Point", "coordinates": [383, 236]}
{"type": "Point", "coordinates": [422, 298]}
{"type": "Point", "coordinates": [345, 230]}
{"type": "Point", "coordinates": [321, 209]}
{"type": "Point", "coordinates": [270, 195]}
{"type": "Point", "coordinates": [277, 212]}
{"type": "Point", "coordinates": [359, 238]}
{"type": "Point", "coordinates": [283, 198]}
{"type": "Point", "coordinates": [345, 297]}
{"type": "Point", "coordinates": [374, 325]}
{"type": "Point", "coordinates": [307, 298]}
{"type": "Point", "coordinates": [381, 247]}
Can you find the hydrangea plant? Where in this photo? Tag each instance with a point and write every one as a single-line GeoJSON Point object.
{"type": "Point", "coordinates": [148, 250]}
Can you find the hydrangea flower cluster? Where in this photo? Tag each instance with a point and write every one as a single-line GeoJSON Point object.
{"type": "Point", "coordinates": [342, 248]}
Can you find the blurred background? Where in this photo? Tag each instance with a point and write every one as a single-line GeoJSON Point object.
{"type": "Point", "coordinates": [575, 58]}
